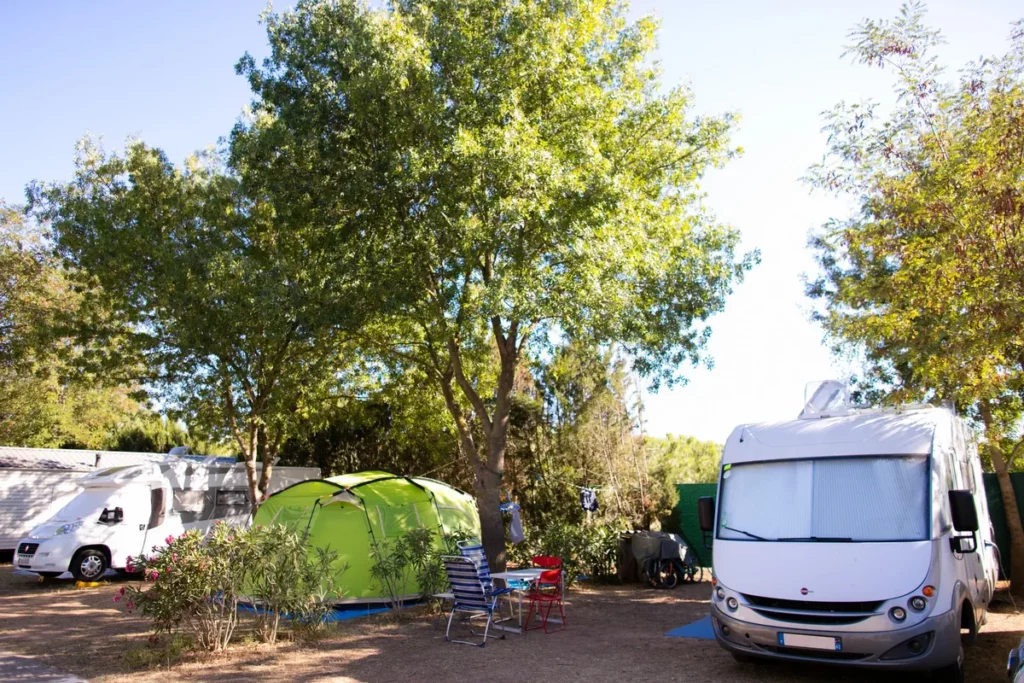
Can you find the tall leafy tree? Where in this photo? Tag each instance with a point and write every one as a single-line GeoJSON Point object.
{"type": "Point", "coordinates": [926, 277]}
{"type": "Point", "coordinates": [49, 396]}
{"type": "Point", "coordinates": [516, 174]}
{"type": "Point", "coordinates": [238, 312]}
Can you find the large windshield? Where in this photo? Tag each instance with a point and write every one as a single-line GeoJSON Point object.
{"type": "Point", "coordinates": [827, 499]}
{"type": "Point", "coordinates": [88, 504]}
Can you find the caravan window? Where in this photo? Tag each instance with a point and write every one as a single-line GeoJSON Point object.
{"type": "Point", "coordinates": [232, 497]}
{"type": "Point", "coordinates": [836, 499]}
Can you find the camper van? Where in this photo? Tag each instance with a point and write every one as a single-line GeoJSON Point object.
{"type": "Point", "coordinates": [125, 511]}
{"type": "Point", "coordinates": [855, 537]}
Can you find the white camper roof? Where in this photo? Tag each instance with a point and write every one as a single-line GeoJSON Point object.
{"type": "Point", "coordinates": [883, 432]}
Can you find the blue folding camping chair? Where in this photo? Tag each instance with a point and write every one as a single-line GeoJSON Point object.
{"type": "Point", "coordinates": [470, 597]}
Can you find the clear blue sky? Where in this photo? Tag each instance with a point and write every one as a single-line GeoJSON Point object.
{"type": "Point", "coordinates": [165, 72]}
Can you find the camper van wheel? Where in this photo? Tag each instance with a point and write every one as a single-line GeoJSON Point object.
{"type": "Point", "coordinates": [89, 565]}
{"type": "Point", "coordinates": [953, 673]}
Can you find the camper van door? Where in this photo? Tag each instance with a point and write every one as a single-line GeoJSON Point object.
{"type": "Point", "coordinates": [127, 533]}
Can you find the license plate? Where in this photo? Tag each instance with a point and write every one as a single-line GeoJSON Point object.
{"type": "Point", "coordinates": [810, 642]}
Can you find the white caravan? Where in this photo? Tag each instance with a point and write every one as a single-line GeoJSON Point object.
{"type": "Point", "coordinates": [851, 536]}
{"type": "Point", "coordinates": [125, 511]}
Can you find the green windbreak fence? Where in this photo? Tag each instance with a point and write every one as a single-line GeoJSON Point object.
{"type": "Point", "coordinates": [683, 519]}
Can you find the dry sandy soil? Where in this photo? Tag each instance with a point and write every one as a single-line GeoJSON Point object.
{"type": "Point", "coordinates": [614, 634]}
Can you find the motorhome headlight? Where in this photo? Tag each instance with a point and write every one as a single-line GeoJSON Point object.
{"type": "Point", "coordinates": [732, 604]}
{"type": "Point", "coordinates": [68, 528]}
{"type": "Point", "coordinates": [898, 613]}
{"type": "Point", "coordinates": [917, 603]}
{"type": "Point", "coordinates": [720, 592]}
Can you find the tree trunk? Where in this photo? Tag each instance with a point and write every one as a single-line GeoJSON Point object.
{"type": "Point", "coordinates": [1013, 522]}
{"type": "Point", "coordinates": [249, 454]}
{"type": "Point", "coordinates": [267, 455]}
{"type": "Point", "coordinates": [492, 527]}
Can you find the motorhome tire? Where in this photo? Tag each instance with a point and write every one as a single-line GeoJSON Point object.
{"type": "Point", "coordinates": [952, 673]}
{"type": "Point", "coordinates": [89, 565]}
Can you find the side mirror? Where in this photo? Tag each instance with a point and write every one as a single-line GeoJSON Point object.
{"type": "Point", "coordinates": [706, 513]}
{"type": "Point", "coordinates": [114, 516]}
{"type": "Point", "coordinates": [961, 507]}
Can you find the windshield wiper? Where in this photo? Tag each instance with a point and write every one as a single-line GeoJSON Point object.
{"type": "Point", "coordinates": [745, 533]}
{"type": "Point", "coordinates": [818, 539]}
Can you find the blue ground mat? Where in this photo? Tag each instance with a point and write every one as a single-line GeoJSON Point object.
{"type": "Point", "coordinates": [338, 613]}
{"type": "Point", "coordinates": [701, 629]}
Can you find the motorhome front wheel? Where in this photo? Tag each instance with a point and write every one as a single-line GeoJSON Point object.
{"type": "Point", "coordinates": [89, 565]}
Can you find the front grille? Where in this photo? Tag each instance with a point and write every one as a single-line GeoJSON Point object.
{"type": "Point", "coordinates": [28, 548]}
{"type": "Point", "coordinates": [813, 612]}
{"type": "Point", "coordinates": [814, 606]}
{"type": "Point", "coordinates": [815, 654]}
{"type": "Point", "coordinates": [825, 620]}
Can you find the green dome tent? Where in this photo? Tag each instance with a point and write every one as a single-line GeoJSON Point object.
{"type": "Point", "coordinates": [354, 513]}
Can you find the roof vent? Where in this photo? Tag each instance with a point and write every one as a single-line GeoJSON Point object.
{"type": "Point", "coordinates": [827, 398]}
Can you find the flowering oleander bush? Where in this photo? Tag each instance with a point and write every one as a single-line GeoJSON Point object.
{"type": "Point", "coordinates": [194, 583]}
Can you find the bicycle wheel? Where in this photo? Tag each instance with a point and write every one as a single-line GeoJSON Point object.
{"type": "Point", "coordinates": [652, 574]}
{"type": "Point", "coordinates": [667, 573]}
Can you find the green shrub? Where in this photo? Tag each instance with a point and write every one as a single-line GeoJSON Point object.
{"type": "Point", "coordinates": [286, 579]}
{"type": "Point", "coordinates": [588, 549]}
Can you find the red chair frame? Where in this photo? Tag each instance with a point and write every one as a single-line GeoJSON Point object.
{"type": "Point", "coordinates": [547, 591]}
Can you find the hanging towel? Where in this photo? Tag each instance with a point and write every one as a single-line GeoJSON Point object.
{"type": "Point", "coordinates": [515, 527]}
{"type": "Point", "coordinates": [588, 500]}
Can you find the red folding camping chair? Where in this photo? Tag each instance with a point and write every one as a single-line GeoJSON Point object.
{"type": "Point", "coordinates": [546, 592]}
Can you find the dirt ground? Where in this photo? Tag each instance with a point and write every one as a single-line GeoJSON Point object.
{"type": "Point", "coordinates": [614, 633]}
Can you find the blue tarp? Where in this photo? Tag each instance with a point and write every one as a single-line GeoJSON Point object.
{"type": "Point", "coordinates": [338, 613]}
{"type": "Point", "coordinates": [701, 629]}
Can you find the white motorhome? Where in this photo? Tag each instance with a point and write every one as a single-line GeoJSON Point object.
{"type": "Point", "coordinates": [125, 511]}
{"type": "Point", "coordinates": [849, 536]}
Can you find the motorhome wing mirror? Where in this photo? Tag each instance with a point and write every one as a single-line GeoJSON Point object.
{"type": "Point", "coordinates": [706, 513]}
{"type": "Point", "coordinates": [114, 516]}
{"type": "Point", "coordinates": [961, 507]}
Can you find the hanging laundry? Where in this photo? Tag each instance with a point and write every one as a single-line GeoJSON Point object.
{"type": "Point", "coordinates": [515, 526]}
{"type": "Point", "coordinates": [588, 499]}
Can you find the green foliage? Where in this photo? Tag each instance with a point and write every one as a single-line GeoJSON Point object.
{"type": "Point", "coordinates": [585, 549]}
{"type": "Point", "coordinates": [924, 280]}
{"type": "Point", "coordinates": [401, 426]}
{"type": "Point", "coordinates": [516, 175]}
{"type": "Point", "coordinates": [240, 312]}
{"type": "Point", "coordinates": [286, 579]}
{"type": "Point", "coordinates": [397, 561]}
{"type": "Point", "coordinates": [51, 394]}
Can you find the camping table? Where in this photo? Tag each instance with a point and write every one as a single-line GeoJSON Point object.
{"type": "Point", "coordinates": [528, 575]}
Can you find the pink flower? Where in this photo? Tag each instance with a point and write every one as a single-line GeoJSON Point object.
{"type": "Point", "coordinates": [117, 598]}
{"type": "Point", "coordinates": [153, 575]}
{"type": "Point", "coordinates": [120, 592]}
{"type": "Point", "coordinates": [174, 557]}
{"type": "Point", "coordinates": [169, 540]}
{"type": "Point", "coordinates": [130, 605]}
